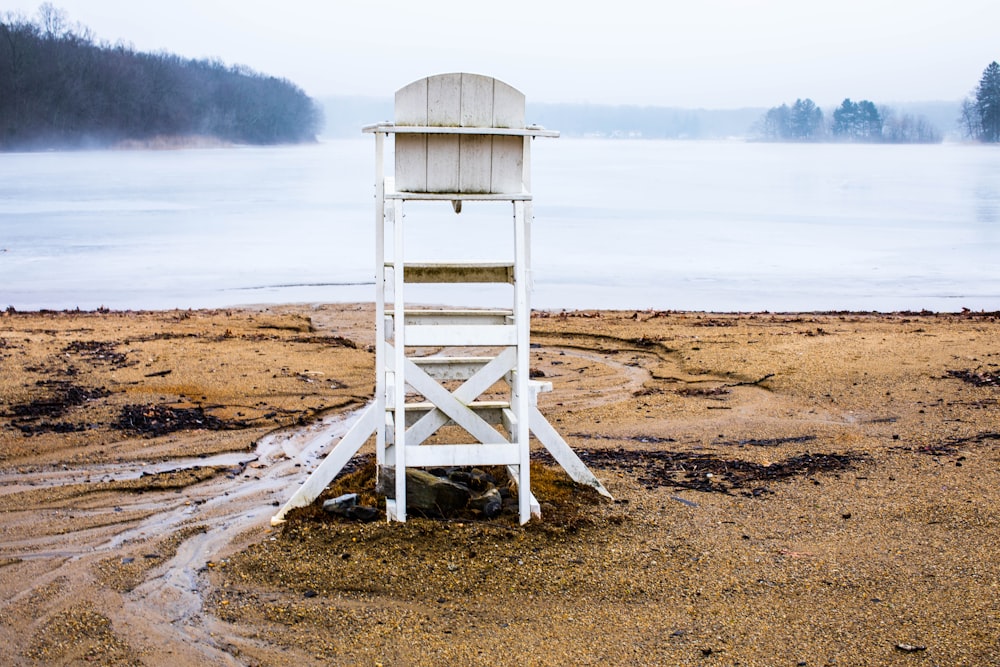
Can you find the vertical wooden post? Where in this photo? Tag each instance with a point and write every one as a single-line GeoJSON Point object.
{"type": "Point", "coordinates": [399, 359]}
{"type": "Point", "coordinates": [380, 333]}
{"type": "Point", "coordinates": [522, 318]}
{"type": "Point", "coordinates": [529, 214]}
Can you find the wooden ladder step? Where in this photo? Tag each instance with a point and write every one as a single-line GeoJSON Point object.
{"type": "Point", "coordinates": [473, 335]}
{"type": "Point", "coordinates": [451, 368]}
{"type": "Point", "coordinates": [455, 317]}
{"type": "Point", "coordinates": [457, 272]}
{"type": "Point", "coordinates": [492, 412]}
{"type": "Point", "coordinates": [446, 456]}
{"type": "Point", "coordinates": [429, 328]}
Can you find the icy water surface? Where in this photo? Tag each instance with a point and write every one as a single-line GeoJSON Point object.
{"type": "Point", "coordinates": [619, 224]}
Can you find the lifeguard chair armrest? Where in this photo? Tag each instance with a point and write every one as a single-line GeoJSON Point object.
{"type": "Point", "coordinates": [392, 128]}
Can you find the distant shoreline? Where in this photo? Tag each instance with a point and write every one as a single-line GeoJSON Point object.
{"type": "Point", "coordinates": [535, 312]}
{"type": "Point", "coordinates": [156, 143]}
{"type": "Point", "coordinates": [170, 142]}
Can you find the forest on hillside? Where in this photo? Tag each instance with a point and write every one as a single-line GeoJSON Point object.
{"type": "Point", "coordinates": [60, 87]}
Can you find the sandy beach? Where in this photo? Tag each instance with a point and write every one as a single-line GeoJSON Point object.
{"type": "Point", "coordinates": [790, 489]}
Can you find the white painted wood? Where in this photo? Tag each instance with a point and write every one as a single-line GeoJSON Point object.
{"type": "Point", "coordinates": [444, 100]}
{"type": "Point", "coordinates": [411, 162]}
{"type": "Point", "coordinates": [411, 104]}
{"type": "Point", "coordinates": [397, 129]}
{"type": "Point", "coordinates": [475, 163]}
{"type": "Point", "coordinates": [451, 368]}
{"type": "Point", "coordinates": [537, 387]}
{"type": "Point", "coordinates": [447, 403]}
{"type": "Point", "coordinates": [508, 106]}
{"type": "Point", "coordinates": [489, 411]}
{"type": "Point", "coordinates": [529, 215]}
{"type": "Point", "coordinates": [330, 467]}
{"type": "Point", "coordinates": [390, 384]}
{"type": "Point", "coordinates": [471, 336]}
{"type": "Point", "coordinates": [457, 196]}
{"type": "Point", "coordinates": [562, 452]}
{"type": "Point", "coordinates": [390, 511]}
{"type": "Point", "coordinates": [399, 360]}
{"type": "Point", "coordinates": [486, 377]}
{"type": "Point", "coordinates": [508, 420]}
{"type": "Point", "coordinates": [451, 135]}
{"type": "Point", "coordinates": [483, 370]}
{"type": "Point", "coordinates": [454, 317]}
{"type": "Point", "coordinates": [520, 387]}
{"type": "Point", "coordinates": [461, 455]}
{"type": "Point", "coordinates": [513, 470]}
{"type": "Point", "coordinates": [477, 100]}
{"type": "Point", "coordinates": [443, 162]}
{"type": "Point", "coordinates": [507, 165]}
{"type": "Point", "coordinates": [380, 334]}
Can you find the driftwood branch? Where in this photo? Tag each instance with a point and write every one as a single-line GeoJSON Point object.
{"type": "Point", "coordinates": [751, 384]}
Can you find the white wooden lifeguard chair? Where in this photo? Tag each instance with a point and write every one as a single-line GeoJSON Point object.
{"type": "Point", "coordinates": [458, 138]}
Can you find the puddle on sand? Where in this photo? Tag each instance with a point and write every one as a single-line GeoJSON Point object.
{"type": "Point", "coordinates": [168, 604]}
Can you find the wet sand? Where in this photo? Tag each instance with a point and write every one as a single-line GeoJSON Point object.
{"type": "Point", "coordinates": [789, 490]}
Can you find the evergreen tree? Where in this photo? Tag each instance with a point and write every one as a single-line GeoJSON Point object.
{"type": "Point", "coordinates": [869, 127]}
{"type": "Point", "coordinates": [806, 120]}
{"type": "Point", "coordinates": [988, 103]}
{"type": "Point", "coordinates": [857, 121]}
{"type": "Point", "coordinates": [844, 119]}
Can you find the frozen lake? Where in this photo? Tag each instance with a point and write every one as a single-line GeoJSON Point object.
{"type": "Point", "coordinates": [700, 225]}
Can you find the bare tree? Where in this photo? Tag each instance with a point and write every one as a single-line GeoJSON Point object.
{"type": "Point", "coordinates": [969, 119]}
{"type": "Point", "coordinates": [52, 19]}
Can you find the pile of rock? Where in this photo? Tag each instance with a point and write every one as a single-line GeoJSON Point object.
{"type": "Point", "coordinates": [438, 492]}
{"type": "Point", "coordinates": [445, 492]}
{"type": "Point", "coordinates": [347, 506]}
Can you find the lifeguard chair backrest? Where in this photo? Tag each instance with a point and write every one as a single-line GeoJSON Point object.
{"type": "Point", "coordinates": [459, 161]}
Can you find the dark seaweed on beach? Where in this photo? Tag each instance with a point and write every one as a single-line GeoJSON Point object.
{"type": "Point", "coordinates": [953, 445]}
{"type": "Point", "coordinates": [30, 428]}
{"type": "Point", "coordinates": [62, 395]}
{"type": "Point", "coordinates": [154, 420]}
{"type": "Point", "coordinates": [705, 472]}
{"type": "Point", "coordinates": [977, 378]}
{"type": "Point", "coordinates": [97, 351]}
{"type": "Point", "coordinates": [773, 442]}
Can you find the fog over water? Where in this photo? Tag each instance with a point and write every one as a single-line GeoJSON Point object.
{"type": "Point", "coordinates": [699, 225]}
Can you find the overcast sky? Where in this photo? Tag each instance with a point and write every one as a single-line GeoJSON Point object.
{"type": "Point", "coordinates": [696, 53]}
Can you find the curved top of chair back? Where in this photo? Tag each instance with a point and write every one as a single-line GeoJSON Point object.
{"type": "Point", "coordinates": [460, 133]}
{"type": "Point", "coordinates": [460, 100]}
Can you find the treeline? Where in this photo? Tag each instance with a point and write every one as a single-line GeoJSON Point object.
{"type": "Point", "coordinates": [981, 113]}
{"type": "Point", "coordinates": [851, 121]}
{"type": "Point", "coordinates": [58, 87]}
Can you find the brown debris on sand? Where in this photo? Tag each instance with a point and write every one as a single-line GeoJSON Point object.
{"type": "Point", "coordinates": [815, 488]}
